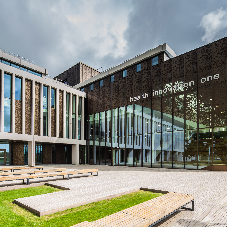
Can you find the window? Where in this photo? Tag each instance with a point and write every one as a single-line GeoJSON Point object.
{"type": "Point", "coordinates": [67, 114]}
{"type": "Point", "coordinates": [5, 62]}
{"type": "Point", "coordinates": [15, 66]}
{"type": "Point", "coordinates": [91, 87]}
{"type": "Point", "coordinates": [125, 73]}
{"type": "Point", "coordinates": [138, 68]}
{"type": "Point", "coordinates": [155, 61]}
{"type": "Point", "coordinates": [53, 95]}
{"type": "Point", "coordinates": [112, 78]}
{"type": "Point", "coordinates": [82, 89]}
{"type": "Point", "coordinates": [7, 102]}
{"type": "Point", "coordinates": [18, 88]}
{"type": "Point", "coordinates": [22, 68]}
{"type": "Point", "coordinates": [45, 111]}
{"type": "Point", "coordinates": [101, 83]}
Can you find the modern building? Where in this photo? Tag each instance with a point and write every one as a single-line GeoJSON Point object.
{"type": "Point", "coordinates": [154, 110]}
{"type": "Point", "coordinates": [160, 110]}
{"type": "Point", "coordinates": [41, 119]}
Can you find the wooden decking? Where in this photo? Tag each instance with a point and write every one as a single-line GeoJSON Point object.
{"type": "Point", "coordinates": [145, 214]}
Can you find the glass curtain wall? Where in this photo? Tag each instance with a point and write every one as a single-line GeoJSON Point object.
{"type": "Point", "coordinates": [138, 135]}
{"type": "Point", "coordinates": [129, 135]}
{"type": "Point", "coordinates": [74, 117]}
{"type": "Point", "coordinates": [45, 111]}
{"type": "Point", "coordinates": [96, 139]}
{"type": "Point", "coordinates": [90, 134]}
{"type": "Point", "coordinates": [102, 138]}
{"type": "Point", "coordinates": [79, 117]}
{"type": "Point", "coordinates": [121, 151]}
{"type": "Point", "coordinates": [67, 114]}
{"type": "Point", "coordinates": [7, 102]}
{"type": "Point", "coordinates": [108, 137]}
{"type": "Point", "coordinates": [146, 137]}
{"type": "Point", "coordinates": [18, 85]}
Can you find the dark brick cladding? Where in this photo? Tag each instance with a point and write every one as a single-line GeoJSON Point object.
{"type": "Point", "coordinates": [191, 66]}
{"type": "Point", "coordinates": [28, 106]}
{"type": "Point", "coordinates": [37, 109]}
{"type": "Point", "coordinates": [18, 116]}
{"type": "Point", "coordinates": [77, 74]}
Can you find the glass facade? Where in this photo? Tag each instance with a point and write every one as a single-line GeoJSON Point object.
{"type": "Point", "coordinates": [67, 114]}
{"type": "Point", "coordinates": [45, 111]}
{"type": "Point", "coordinates": [18, 86]}
{"type": "Point", "coordinates": [74, 117]}
{"type": "Point", "coordinates": [53, 98]}
{"type": "Point", "coordinates": [171, 115]}
{"type": "Point", "coordinates": [79, 117]}
{"type": "Point", "coordinates": [7, 102]}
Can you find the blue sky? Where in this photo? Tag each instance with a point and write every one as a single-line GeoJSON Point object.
{"type": "Point", "coordinates": [57, 34]}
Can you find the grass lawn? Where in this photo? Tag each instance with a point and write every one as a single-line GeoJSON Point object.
{"type": "Point", "coordinates": [13, 215]}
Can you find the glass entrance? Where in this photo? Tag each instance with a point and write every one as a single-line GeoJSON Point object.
{"type": "Point", "coordinates": [118, 156]}
{"type": "Point", "coordinates": [2, 156]}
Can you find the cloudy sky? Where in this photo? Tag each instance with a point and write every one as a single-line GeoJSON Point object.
{"type": "Point", "coordinates": [57, 34]}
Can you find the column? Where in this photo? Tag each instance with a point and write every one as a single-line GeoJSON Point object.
{"type": "Point", "coordinates": [64, 114]}
{"type": "Point", "coordinates": [13, 104]}
{"type": "Point", "coordinates": [49, 111]}
{"type": "Point", "coordinates": [33, 108]}
{"type": "Point", "coordinates": [31, 153]}
{"type": "Point", "coordinates": [77, 105]}
{"type": "Point", "coordinates": [23, 105]}
{"type": "Point", "coordinates": [82, 119]}
{"type": "Point", "coordinates": [57, 112]}
{"type": "Point", "coordinates": [2, 101]}
{"type": "Point", "coordinates": [75, 154]}
{"type": "Point", "coordinates": [41, 109]}
{"type": "Point", "coordinates": [70, 115]}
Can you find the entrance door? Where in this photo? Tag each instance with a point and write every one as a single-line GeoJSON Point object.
{"type": "Point", "coordinates": [118, 157]}
{"type": "Point", "coordinates": [2, 156]}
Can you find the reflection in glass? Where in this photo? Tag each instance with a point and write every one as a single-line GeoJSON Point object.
{"type": "Point", "coordinates": [18, 88]}
{"type": "Point", "coordinates": [79, 117]}
{"type": "Point", "coordinates": [156, 138]}
{"type": "Point", "coordinates": [205, 148]}
{"type": "Point", "coordinates": [137, 135]}
{"type": "Point", "coordinates": [167, 141]}
{"type": "Point", "coordinates": [45, 111]}
{"type": "Point", "coordinates": [129, 126]}
{"type": "Point", "coordinates": [53, 97]}
{"type": "Point", "coordinates": [67, 115]}
{"type": "Point", "coordinates": [115, 128]}
{"type": "Point", "coordinates": [146, 137]}
{"type": "Point", "coordinates": [7, 102]}
{"type": "Point", "coordinates": [108, 128]}
{"type": "Point", "coordinates": [122, 127]}
{"type": "Point", "coordinates": [220, 146]}
{"type": "Point", "coordinates": [74, 117]}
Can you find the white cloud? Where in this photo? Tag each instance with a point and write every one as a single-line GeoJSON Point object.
{"type": "Point", "coordinates": [101, 28]}
{"type": "Point", "coordinates": [214, 23]}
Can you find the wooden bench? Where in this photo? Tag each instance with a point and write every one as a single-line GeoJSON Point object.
{"type": "Point", "coordinates": [147, 213]}
{"type": "Point", "coordinates": [27, 175]}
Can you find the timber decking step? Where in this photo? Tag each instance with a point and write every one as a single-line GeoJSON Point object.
{"type": "Point", "coordinates": [146, 213]}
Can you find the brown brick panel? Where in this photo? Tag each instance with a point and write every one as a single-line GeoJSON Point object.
{"type": "Point", "coordinates": [28, 106]}
{"type": "Point", "coordinates": [18, 153]}
{"type": "Point", "coordinates": [47, 148]}
{"type": "Point", "coordinates": [18, 116]}
{"type": "Point", "coordinates": [60, 114]}
{"type": "Point", "coordinates": [37, 109]}
{"type": "Point", "coordinates": [53, 122]}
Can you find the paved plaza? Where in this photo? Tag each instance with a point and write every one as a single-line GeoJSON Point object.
{"type": "Point", "coordinates": [209, 190]}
